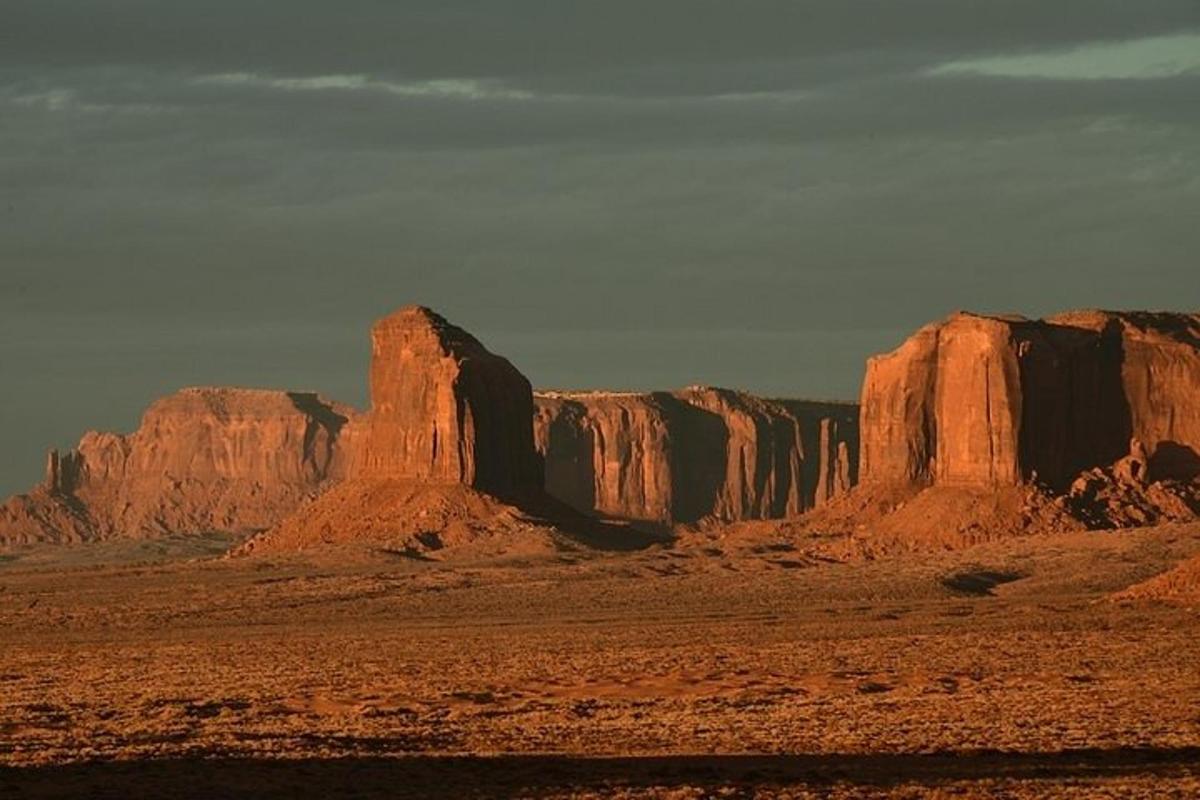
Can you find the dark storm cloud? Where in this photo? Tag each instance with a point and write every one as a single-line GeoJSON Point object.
{"type": "Point", "coordinates": [543, 39]}
{"type": "Point", "coordinates": [211, 109]}
{"type": "Point", "coordinates": [613, 194]}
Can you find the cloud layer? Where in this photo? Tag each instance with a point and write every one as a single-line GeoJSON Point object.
{"type": "Point", "coordinates": [756, 194]}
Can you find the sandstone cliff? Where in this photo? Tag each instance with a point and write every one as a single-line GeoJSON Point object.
{"type": "Point", "coordinates": [203, 459]}
{"type": "Point", "coordinates": [988, 402]}
{"type": "Point", "coordinates": [444, 409]}
{"type": "Point", "coordinates": [449, 421]}
{"type": "Point", "coordinates": [697, 454]}
{"type": "Point", "coordinates": [976, 424]}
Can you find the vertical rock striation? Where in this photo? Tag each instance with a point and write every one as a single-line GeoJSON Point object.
{"type": "Point", "coordinates": [990, 402]}
{"type": "Point", "coordinates": [450, 430]}
{"type": "Point", "coordinates": [692, 455]}
{"type": "Point", "coordinates": [203, 459]}
{"type": "Point", "coordinates": [445, 410]}
{"type": "Point", "coordinates": [1096, 411]}
{"type": "Point", "coordinates": [607, 452]}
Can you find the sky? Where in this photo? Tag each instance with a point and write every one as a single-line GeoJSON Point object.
{"type": "Point", "coordinates": [631, 195]}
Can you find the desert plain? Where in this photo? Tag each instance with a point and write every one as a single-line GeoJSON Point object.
{"type": "Point", "coordinates": [717, 665]}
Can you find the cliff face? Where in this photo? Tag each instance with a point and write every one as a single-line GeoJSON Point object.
{"type": "Point", "coordinates": [607, 452]}
{"type": "Point", "coordinates": [1089, 405]}
{"type": "Point", "coordinates": [203, 459]}
{"type": "Point", "coordinates": [1156, 383]}
{"type": "Point", "coordinates": [447, 418]}
{"type": "Point", "coordinates": [696, 454]}
{"type": "Point", "coordinates": [897, 420]}
{"type": "Point", "coordinates": [986, 401]}
{"type": "Point", "coordinates": [444, 409]}
{"type": "Point", "coordinates": [1087, 415]}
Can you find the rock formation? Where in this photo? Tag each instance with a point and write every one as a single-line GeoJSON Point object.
{"type": "Point", "coordinates": [988, 402]}
{"type": "Point", "coordinates": [976, 424]}
{"type": "Point", "coordinates": [445, 410]}
{"type": "Point", "coordinates": [697, 454]}
{"type": "Point", "coordinates": [449, 421]}
{"type": "Point", "coordinates": [404, 516]}
{"type": "Point", "coordinates": [203, 459]}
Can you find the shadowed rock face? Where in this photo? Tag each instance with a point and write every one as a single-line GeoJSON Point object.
{"type": "Point", "coordinates": [696, 454]}
{"type": "Point", "coordinates": [987, 401]}
{"type": "Point", "coordinates": [203, 459]}
{"type": "Point", "coordinates": [607, 452]}
{"type": "Point", "coordinates": [444, 409]}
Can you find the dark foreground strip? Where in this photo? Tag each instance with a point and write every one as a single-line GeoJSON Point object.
{"type": "Point", "coordinates": [534, 775]}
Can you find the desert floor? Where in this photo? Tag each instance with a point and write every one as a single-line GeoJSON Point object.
{"type": "Point", "coordinates": [716, 667]}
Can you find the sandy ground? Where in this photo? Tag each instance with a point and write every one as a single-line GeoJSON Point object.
{"type": "Point", "coordinates": [717, 667]}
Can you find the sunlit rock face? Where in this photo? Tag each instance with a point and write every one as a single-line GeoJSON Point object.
{"type": "Point", "coordinates": [989, 401]}
{"type": "Point", "coordinates": [445, 409]}
{"type": "Point", "coordinates": [696, 454]}
{"type": "Point", "coordinates": [1096, 410]}
{"type": "Point", "coordinates": [447, 443]}
{"type": "Point", "coordinates": [203, 459]}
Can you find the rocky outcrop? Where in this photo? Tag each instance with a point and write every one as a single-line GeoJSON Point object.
{"type": "Point", "coordinates": [697, 454]}
{"type": "Point", "coordinates": [450, 430]}
{"type": "Point", "coordinates": [403, 517]}
{"type": "Point", "coordinates": [45, 516]}
{"type": "Point", "coordinates": [897, 421]}
{"type": "Point", "coordinates": [203, 459]}
{"type": "Point", "coordinates": [607, 452]}
{"type": "Point", "coordinates": [1083, 418]}
{"type": "Point", "coordinates": [987, 402]}
{"type": "Point", "coordinates": [1123, 495]}
{"type": "Point", "coordinates": [445, 410]}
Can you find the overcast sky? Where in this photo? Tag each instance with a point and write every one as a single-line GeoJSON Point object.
{"type": "Point", "coordinates": [612, 194]}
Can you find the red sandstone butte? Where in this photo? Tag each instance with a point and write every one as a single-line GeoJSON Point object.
{"type": "Point", "coordinates": [445, 410]}
{"type": "Point", "coordinates": [989, 402]}
{"type": "Point", "coordinates": [696, 454]}
{"type": "Point", "coordinates": [450, 430]}
{"type": "Point", "coordinates": [202, 460]}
